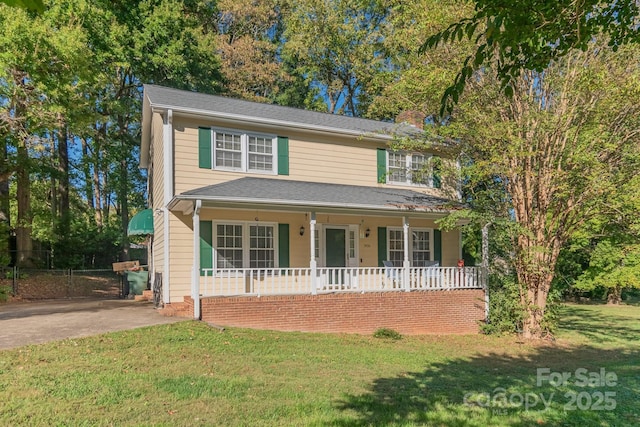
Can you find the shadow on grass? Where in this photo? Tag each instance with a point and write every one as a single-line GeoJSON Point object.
{"type": "Point", "coordinates": [503, 390]}
{"type": "Point", "coordinates": [600, 326]}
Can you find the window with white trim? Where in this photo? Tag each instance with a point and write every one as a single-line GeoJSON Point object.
{"type": "Point", "coordinates": [395, 243]}
{"type": "Point", "coordinates": [245, 245]}
{"type": "Point", "coordinates": [261, 246]}
{"type": "Point", "coordinates": [409, 169]}
{"type": "Point", "coordinates": [243, 151]}
{"type": "Point", "coordinates": [229, 246]}
{"type": "Point", "coordinates": [420, 246]}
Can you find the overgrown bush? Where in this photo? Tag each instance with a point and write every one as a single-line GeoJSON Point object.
{"type": "Point", "coordinates": [506, 314]}
{"type": "Point", "coordinates": [387, 333]}
{"type": "Point", "coordinates": [5, 291]}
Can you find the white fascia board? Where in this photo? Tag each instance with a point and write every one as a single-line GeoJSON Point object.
{"type": "Point", "coordinates": [272, 122]}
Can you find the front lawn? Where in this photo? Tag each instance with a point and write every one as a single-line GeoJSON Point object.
{"type": "Point", "coordinates": [191, 374]}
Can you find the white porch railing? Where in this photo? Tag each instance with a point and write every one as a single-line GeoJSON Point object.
{"type": "Point", "coordinates": [291, 281]}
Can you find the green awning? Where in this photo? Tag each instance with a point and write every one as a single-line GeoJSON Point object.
{"type": "Point", "coordinates": [141, 223]}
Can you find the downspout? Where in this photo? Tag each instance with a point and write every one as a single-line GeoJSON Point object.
{"type": "Point", "coordinates": [195, 273]}
{"type": "Point", "coordinates": [167, 161]}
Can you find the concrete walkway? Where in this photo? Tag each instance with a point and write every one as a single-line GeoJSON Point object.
{"type": "Point", "coordinates": [26, 323]}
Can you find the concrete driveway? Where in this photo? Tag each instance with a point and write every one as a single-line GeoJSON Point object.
{"type": "Point", "coordinates": [38, 322]}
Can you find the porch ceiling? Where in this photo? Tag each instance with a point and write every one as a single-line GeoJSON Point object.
{"type": "Point", "coordinates": [268, 193]}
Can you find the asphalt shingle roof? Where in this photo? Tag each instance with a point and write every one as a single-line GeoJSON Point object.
{"type": "Point", "coordinates": [301, 193]}
{"type": "Point", "coordinates": [160, 96]}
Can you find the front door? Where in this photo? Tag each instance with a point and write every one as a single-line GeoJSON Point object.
{"type": "Point", "coordinates": [335, 255]}
{"type": "Point", "coordinates": [336, 247]}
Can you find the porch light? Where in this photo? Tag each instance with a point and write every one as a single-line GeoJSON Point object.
{"type": "Point", "coordinates": [367, 232]}
{"type": "Point", "coordinates": [302, 230]}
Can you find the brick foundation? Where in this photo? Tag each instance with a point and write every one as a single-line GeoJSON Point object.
{"type": "Point", "coordinates": [410, 313]}
{"type": "Point", "coordinates": [179, 309]}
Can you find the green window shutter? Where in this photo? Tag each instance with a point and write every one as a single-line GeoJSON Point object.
{"type": "Point", "coordinates": [382, 245]}
{"type": "Point", "coordinates": [206, 247]}
{"type": "Point", "coordinates": [382, 165]}
{"type": "Point", "coordinates": [204, 148]}
{"type": "Point", "coordinates": [283, 245]}
{"type": "Point", "coordinates": [437, 246]}
{"type": "Point", "coordinates": [283, 155]}
{"type": "Point", "coordinates": [436, 167]}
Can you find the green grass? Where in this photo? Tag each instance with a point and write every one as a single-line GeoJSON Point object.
{"type": "Point", "coordinates": [191, 374]}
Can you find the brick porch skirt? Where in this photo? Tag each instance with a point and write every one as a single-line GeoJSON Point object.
{"type": "Point", "coordinates": [410, 313]}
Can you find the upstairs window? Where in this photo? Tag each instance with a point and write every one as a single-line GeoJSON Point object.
{"type": "Point", "coordinates": [397, 167]}
{"type": "Point", "coordinates": [228, 152]}
{"type": "Point", "coordinates": [233, 150]}
{"type": "Point", "coordinates": [409, 169]}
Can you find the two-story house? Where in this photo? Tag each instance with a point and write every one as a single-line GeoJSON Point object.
{"type": "Point", "coordinates": [275, 217]}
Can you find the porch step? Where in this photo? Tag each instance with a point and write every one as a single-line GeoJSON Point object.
{"type": "Point", "coordinates": [147, 295]}
{"type": "Point", "coordinates": [176, 309]}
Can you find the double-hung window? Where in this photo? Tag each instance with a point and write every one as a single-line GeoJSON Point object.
{"type": "Point", "coordinates": [420, 246]}
{"type": "Point", "coordinates": [245, 246]}
{"type": "Point", "coordinates": [244, 152]}
{"type": "Point", "coordinates": [409, 169]}
{"type": "Point", "coordinates": [229, 246]}
{"type": "Point", "coordinates": [261, 246]}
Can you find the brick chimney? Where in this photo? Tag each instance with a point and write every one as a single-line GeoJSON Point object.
{"type": "Point", "coordinates": [412, 117]}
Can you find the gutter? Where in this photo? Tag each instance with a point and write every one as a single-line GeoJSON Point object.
{"type": "Point", "coordinates": [263, 121]}
{"type": "Point", "coordinates": [303, 205]}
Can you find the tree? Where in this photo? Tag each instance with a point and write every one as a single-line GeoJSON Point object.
{"type": "Point", "coordinates": [563, 140]}
{"type": "Point", "coordinates": [603, 257]}
{"type": "Point", "coordinates": [39, 67]}
{"type": "Point", "coordinates": [413, 80]}
{"type": "Point", "coordinates": [528, 35]}
{"type": "Point", "coordinates": [35, 5]}
{"type": "Point", "coordinates": [337, 45]}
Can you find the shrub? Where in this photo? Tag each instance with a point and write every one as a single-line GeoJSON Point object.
{"type": "Point", "coordinates": [387, 334]}
{"type": "Point", "coordinates": [5, 291]}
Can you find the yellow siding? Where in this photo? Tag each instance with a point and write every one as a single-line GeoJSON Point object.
{"type": "Point", "coordinates": [157, 165]}
{"type": "Point", "coordinates": [155, 173]}
{"type": "Point", "coordinates": [182, 239]}
{"type": "Point", "coordinates": [338, 160]}
{"type": "Point", "coordinates": [181, 258]}
{"type": "Point", "coordinates": [158, 243]}
{"type": "Point", "coordinates": [312, 157]}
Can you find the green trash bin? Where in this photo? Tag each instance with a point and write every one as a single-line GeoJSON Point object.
{"type": "Point", "coordinates": [137, 281]}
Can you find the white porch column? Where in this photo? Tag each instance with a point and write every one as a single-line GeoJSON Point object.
{"type": "Point", "coordinates": [406, 263]}
{"type": "Point", "coordinates": [313, 265]}
{"type": "Point", "coordinates": [195, 271]}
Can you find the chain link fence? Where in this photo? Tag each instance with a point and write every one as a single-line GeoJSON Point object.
{"type": "Point", "coordinates": [33, 284]}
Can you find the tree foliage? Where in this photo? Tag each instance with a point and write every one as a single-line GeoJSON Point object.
{"type": "Point", "coordinates": [529, 35]}
{"type": "Point", "coordinates": [337, 45]}
{"type": "Point", "coordinates": [565, 139]}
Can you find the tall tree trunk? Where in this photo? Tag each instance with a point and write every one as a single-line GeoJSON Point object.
{"type": "Point", "coordinates": [24, 243]}
{"type": "Point", "coordinates": [614, 296]}
{"type": "Point", "coordinates": [124, 208]}
{"type": "Point", "coordinates": [86, 171]}
{"type": "Point", "coordinates": [97, 184]}
{"type": "Point", "coordinates": [5, 218]}
{"type": "Point", "coordinates": [63, 182]}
